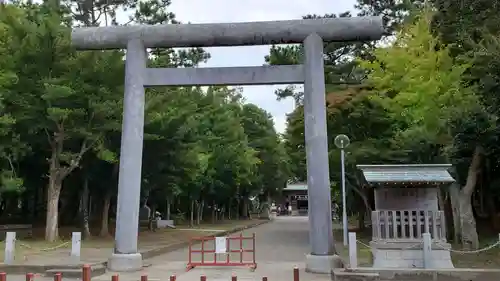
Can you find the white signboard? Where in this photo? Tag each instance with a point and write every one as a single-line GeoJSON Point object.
{"type": "Point", "coordinates": [220, 245]}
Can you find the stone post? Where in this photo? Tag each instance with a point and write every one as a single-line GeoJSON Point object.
{"type": "Point", "coordinates": [10, 248]}
{"type": "Point", "coordinates": [76, 245]}
{"type": "Point", "coordinates": [353, 250]}
{"type": "Point", "coordinates": [427, 248]}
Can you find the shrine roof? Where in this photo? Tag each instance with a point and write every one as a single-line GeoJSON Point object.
{"type": "Point", "coordinates": [415, 173]}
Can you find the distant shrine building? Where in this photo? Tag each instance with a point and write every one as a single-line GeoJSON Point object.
{"type": "Point", "coordinates": [296, 196]}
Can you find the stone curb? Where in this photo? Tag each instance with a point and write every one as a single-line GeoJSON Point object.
{"type": "Point", "coordinates": [417, 274]}
{"type": "Point", "coordinates": [41, 269]}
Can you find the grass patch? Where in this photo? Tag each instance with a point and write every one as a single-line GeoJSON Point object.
{"type": "Point", "coordinates": [364, 253]}
{"type": "Point", "coordinates": [484, 259]}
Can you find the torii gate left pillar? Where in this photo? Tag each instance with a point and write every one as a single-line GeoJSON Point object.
{"type": "Point", "coordinates": [313, 33]}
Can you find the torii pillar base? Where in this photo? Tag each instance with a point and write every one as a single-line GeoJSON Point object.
{"type": "Point", "coordinates": [323, 264]}
{"type": "Point", "coordinates": [125, 262]}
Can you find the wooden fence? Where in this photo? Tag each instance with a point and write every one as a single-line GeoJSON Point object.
{"type": "Point", "coordinates": [409, 225]}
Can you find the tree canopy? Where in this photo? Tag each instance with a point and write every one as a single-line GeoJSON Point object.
{"type": "Point", "coordinates": [426, 93]}
{"type": "Point", "coordinates": [206, 151]}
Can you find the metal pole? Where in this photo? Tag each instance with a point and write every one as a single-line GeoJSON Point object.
{"type": "Point", "coordinates": [344, 205]}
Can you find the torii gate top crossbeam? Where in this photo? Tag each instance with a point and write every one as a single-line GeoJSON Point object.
{"type": "Point", "coordinates": [228, 34]}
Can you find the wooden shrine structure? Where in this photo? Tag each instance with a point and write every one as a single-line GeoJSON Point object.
{"type": "Point", "coordinates": [406, 207]}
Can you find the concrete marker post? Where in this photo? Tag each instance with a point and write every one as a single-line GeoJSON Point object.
{"type": "Point", "coordinates": [76, 245]}
{"type": "Point", "coordinates": [427, 248]}
{"type": "Point", "coordinates": [10, 247]}
{"type": "Point", "coordinates": [353, 250]}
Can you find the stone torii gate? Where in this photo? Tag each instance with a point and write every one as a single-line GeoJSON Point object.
{"type": "Point", "coordinates": [312, 33]}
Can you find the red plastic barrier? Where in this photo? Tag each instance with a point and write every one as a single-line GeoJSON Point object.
{"type": "Point", "coordinates": [217, 260]}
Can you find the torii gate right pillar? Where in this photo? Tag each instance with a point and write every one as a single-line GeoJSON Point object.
{"type": "Point", "coordinates": [323, 254]}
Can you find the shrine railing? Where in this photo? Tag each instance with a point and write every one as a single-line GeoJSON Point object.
{"type": "Point", "coordinates": [404, 225]}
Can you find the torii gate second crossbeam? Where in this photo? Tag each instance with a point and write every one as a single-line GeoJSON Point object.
{"type": "Point", "coordinates": [312, 33]}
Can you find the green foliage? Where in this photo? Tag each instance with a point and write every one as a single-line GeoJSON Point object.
{"type": "Point", "coordinates": [10, 182]}
{"type": "Point", "coordinates": [339, 66]}
{"type": "Point", "coordinates": [60, 116]}
{"type": "Point", "coordinates": [420, 84]}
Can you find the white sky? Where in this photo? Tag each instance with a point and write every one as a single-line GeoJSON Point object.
{"type": "Point", "coordinates": [212, 11]}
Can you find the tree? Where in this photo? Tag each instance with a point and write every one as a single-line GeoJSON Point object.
{"type": "Point", "coordinates": [273, 164]}
{"type": "Point", "coordinates": [350, 111]}
{"type": "Point", "coordinates": [67, 100]}
{"type": "Point", "coordinates": [60, 113]}
{"type": "Point", "coordinates": [420, 84]}
{"type": "Point", "coordinates": [340, 68]}
{"type": "Point", "coordinates": [395, 12]}
{"type": "Point", "coordinates": [12, 148]}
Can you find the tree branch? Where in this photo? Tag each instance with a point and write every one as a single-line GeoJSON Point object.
{"type": "Point", "coordinates": [358, 191]}
{"type": "Point", "coordinates": [474, 169]}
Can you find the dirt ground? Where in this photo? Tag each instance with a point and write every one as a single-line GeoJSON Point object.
{"type": "Point", "coordinates": [34, 250]}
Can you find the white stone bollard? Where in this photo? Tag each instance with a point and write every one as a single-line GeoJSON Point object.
{"type": "Point", "coordinates": [10, 247]}
{"type": "Point", "coordinates": [427, 248]}
{"type": "Point", "coordinates": [76, 244]}
{"type": "Point", "coordinates": [353, 250]}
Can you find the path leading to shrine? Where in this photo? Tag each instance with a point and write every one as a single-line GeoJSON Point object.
{"type": "Point", "coordinates": [280, 246]}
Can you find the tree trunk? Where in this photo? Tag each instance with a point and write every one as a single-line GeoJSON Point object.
{"type": "Point", "coordinates": [244, 209]}
{"type": "Point", "coordinates": [106, 204]}
{"type": "Point", "coordinates": [454, 191]}
{"type": "Point", "coordinates": [201, 207]}
{"type": "Point", "coordinates": [492, 214]}
{"type": "Point", "coordinates": [56, 176]}
{"type": "Point", "coordinates": [105, 215]}
{"type": "Point", "coordinates": [191, 219]}
{"type": "Point", "coordinates": [441, 203]}
{"type": "Point", "coordinates": [238, 209]}
{"type": "Point", "coordinates": [197, 213]}
{"type": "Point", "coordinates": [361, 193]}
{"type": "Point", "coordinates": [85, 209]}
{"type": "Point", "coordinates": [167, 213]}
{"type": "Point", "coordinates": [34, 204]}
{"type": "Point", "coordinates": [214, 212]}
{"type": "Point", "coordinates": [361, 220]}
{"type": "Point", "coordinates": [54, 190]}
{"type": "Point", "coordinates": [467, 221]}
{"type": "Point", "coordinates": [152, 218]}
